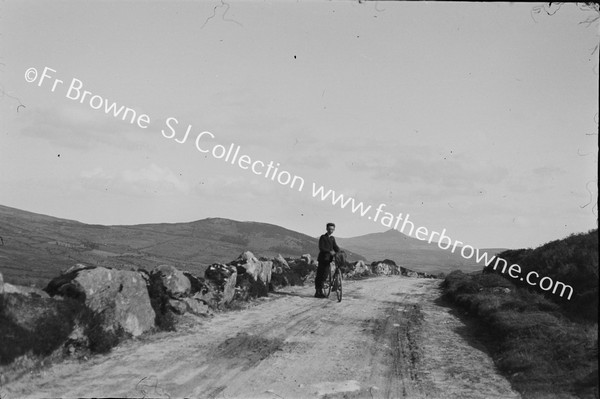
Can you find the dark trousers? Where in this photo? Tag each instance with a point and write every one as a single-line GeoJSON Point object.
{"type": "Point", "coordinates": [322, 271]}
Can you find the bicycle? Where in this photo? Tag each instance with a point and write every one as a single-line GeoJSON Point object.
{"type": "Point", "coordinates": [333, 282]}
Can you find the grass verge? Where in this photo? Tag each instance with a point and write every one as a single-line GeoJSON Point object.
{"type": "Point", "coordinates": [533, 343]}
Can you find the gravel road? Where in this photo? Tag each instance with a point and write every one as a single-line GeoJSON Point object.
{"type": "Point", "coordinates": [389, 338]}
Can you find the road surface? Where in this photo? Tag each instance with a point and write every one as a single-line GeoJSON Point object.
{"type": "Point", "coordinates": [388, 338]}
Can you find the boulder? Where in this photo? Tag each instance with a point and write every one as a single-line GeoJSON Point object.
{"type": "Point", "coordinates": [289, 271]}
{"type": "Point", "coordinates": [280, 264]}
{"type": "Point", "coordinates": [23, 290]}
{"type": "Point", "coordinates": [176, 283]}
{"type": "Point", "coordinates": [359, 268]}
{"type": "Point", "coordinates": [34, 324]}
{"type": "Point", "coordinates": [196, 306]}
{"type": "Point", "coordinates": [279, 280]}
{"type": "Point", "coordinates": [198, 284]}
{"type": "Point", "coordinates": [385, 268]}
{"type": "Point", "coordinates": [75, 268]}
{"type": "Point", "coordinates": [119, 297]}
{"type": "Point", "coordinates": [220, 281]}
{"type": "Point", "coordinates": [302, 266]}
{"type": "Point", "coordinates": [177, 306]}
{"type": "Point", "coordinates": [247, 263]}
{"type": "Point", "coordinates": [310, 278]}
{"type": "Point", "coordinates": [192, 305]}
{"type": "Point", "coordinates": [248, 287]}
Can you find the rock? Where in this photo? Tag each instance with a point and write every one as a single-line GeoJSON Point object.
{"type": "Point", "coordinates": [310, 278]}
{"type": "Point", "coordinates": [306, 258]}
{"type": "Point", "coordinates": [247, 287]}
{"type": "Point", "coordinates": [120, 297]}
{"type": "Point", "coordinates": [197, 307]}
{"type": "Point", "coordinates": [359, 268]}
{"type": "Point", "coordinates": [221, 281]}
{"type": "Point", "coordinates": [411, 273]}
{"type": "Point", "coordinates": [280, 264]}
{"type": "Point", "coordinates": [23, 290]}
{"type": "Point", "coordinates": [144, 274]}
{"type": "Point", "coordinates": [76, 267]}
{"type": "Point", "coordinates": [386, 267]}
{"type": "Point", "coordinates": [249, 264]}
{"type": "Point", "coordinates": [203, 293]}
{"type": "Point", "coordinates": [193, 305]}
{"type": "Point", "coordinates": [34, 324]}
{"type": "Point", "coordinates": [1, 284]}
{"type": "Point", "coordinates": [177, 306]}
{"type": "Point", "coordinates": [381, 268]}
{"type": "Point", "coordinates": [198, 284]}
{"type": "Point", "coordinates": [159, 300]}
{"type": "Point", "coordinates": [176, 283]}
{"type": "Point", "coordinates": [279, 280]}
{"type": "Point", "coordinates": [229, 288]}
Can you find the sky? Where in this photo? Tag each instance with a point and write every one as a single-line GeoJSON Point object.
{"type": "Point", "coordinates": [477, 118]}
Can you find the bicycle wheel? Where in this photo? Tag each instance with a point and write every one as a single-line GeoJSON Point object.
{"type": "Point", "coordinates": [328, 283]}
{"type": "Point", "coordinates": [338, 284]}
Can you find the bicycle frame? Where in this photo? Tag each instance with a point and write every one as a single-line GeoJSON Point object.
{"type": "Point", "coordinates": [333, 281]}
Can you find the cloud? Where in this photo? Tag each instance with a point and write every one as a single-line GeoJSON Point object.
{"type": "Point", "coordinates": [429, 166]}
{"type": "Point", "coordinates": [151, 179]}
{"type": "Point", "coordinates": [548, 172]}
{"type": "Point", "coordinates": [78, 127]}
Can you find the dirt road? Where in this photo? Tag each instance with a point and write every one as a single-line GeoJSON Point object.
{"type": "Point", "coordinates": [387, 339]}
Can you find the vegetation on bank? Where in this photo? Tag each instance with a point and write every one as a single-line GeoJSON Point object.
{"type": "Point", "coordinates": [573, 261]}
{"type": "Point", "coordinates": [545, 345]}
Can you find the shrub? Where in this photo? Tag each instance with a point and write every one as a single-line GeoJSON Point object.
{"type": "Point", "coordinates": [39, 325]}
{"type": "Point", "coordinates": [159, 300]}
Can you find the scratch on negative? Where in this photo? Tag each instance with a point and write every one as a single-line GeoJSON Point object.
{"type": "Point", "coordinates": [223, 4]}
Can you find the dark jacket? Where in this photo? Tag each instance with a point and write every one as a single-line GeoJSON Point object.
{"type": "Point", "coordinates": [326, 245]}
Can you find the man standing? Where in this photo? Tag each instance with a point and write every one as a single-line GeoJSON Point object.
{"type": "Point", "coordinates": [327, 250]}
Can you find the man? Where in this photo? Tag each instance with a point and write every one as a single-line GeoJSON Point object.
{"type": "Point", "coordinates": [327, 250]}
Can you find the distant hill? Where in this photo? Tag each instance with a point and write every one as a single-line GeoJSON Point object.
{"type": "Point", "coordinates": [36, 247]}
{"type": "Point", "coordinates": [411, 253]}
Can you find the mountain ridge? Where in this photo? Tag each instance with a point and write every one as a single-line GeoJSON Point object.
{"type": "Point", "coordinates": [411, 252]}
{"type": "Point", "coordinates": [37, 247]}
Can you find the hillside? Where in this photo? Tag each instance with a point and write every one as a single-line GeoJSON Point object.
{"type": "Point", "coordinates": [572, 260]}
{"type": "Point", "coordinates": [546, 345]}
{"type": "Point", "coordinates": [36, 247]}
{"type": "Point", "coordinates": [410, 252]}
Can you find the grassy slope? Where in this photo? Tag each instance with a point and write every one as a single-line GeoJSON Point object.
{"type": "Point", "coordinates": [573, 261]}
{"type": "Point", "coordinates": [545, 346]}
{"type": "Point", "coordinates": [37, 247]}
